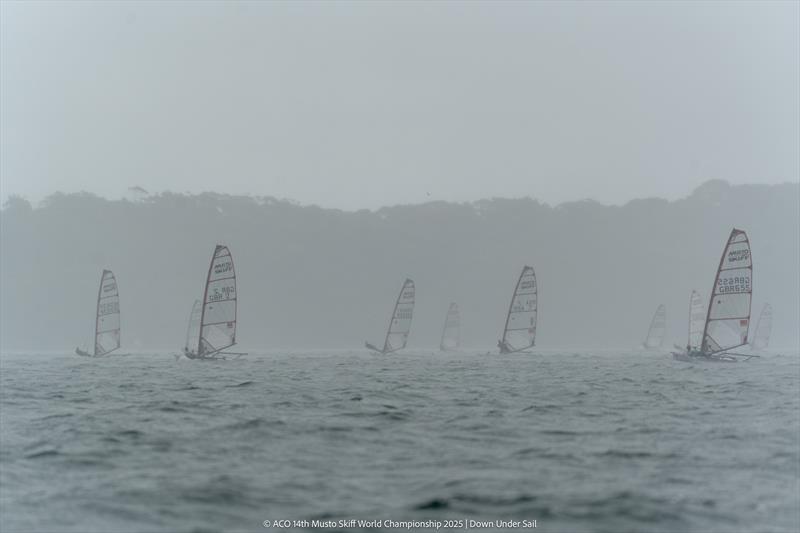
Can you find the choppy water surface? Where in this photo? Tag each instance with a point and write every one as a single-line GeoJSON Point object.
{"type": "Point", "coordinates": [577, 441]}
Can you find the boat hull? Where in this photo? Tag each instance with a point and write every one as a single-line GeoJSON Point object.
{"type": "Point", "coordinates": [683, 356]}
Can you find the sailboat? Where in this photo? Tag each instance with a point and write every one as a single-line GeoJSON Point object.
{"type": "Point", "coordinates": [193, 330]}
{"type": "Point", "coordinates": [727, 320]}
{"type": "Point", "coordinates": [658, 326]}
{"type": "Point", "coordinates": [519, 333]}
{"type": "Point", "coordinates": [763, 329]}
{"type": "Point", "coordinates": [400, 322]}
{"type": "Point", "coordinates": [697, 321]}
{"type": "Point", "coordinates": [451, 332]}
{"type": "Point", "coordinates": [106, 325]}
{"type": "Point", "coordinates": [215, 329]}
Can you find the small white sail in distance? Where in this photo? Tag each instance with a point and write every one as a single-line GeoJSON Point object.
{"type": "Point", "coordinates": [763, 329]}
{"type": "Point", "coordinates": [218, 312]}
{"type": "Point", "coordinates": [519, 332]}
{"type": "Point", "coordinates": [400, 321]}
{"type": "Point", "coordinates": [658, 327]}
{"type": "Point", "coordinates": [193, 329]}
{"type": "Point", "coordinates": [728, 315]}
{"type": "Point", "coordinates": [107, 321]}
{"type": "Point", "coordinates": [451, 332]}
{"type": "Point", "coordinates": [697, 321]}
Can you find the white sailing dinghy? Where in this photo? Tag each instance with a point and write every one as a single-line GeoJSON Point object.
{"type": "Point", "coordinates": [519, 333]}
{"type": "Point", "coordinates": [107, 323]}
{"type": "Point", "coordinates": [658, 327]}
{"type": "Point", "coordinates": [216, 327]}
{"type": "Point", "coordinates": [727, 321]}
{"type": "Point", "coordinates": [451, 333]}
{"type": "Point", "coordinates": [763, 329]}
{"type": "Point", "coordinates": [399, 323]}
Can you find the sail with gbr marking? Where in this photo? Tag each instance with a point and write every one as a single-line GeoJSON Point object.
{"type": "Point", "coordinates": [763, 328]}
{"type": "Point", "coordinates": [520, 329]}
{"type": "Point", "coordinates": [400, 323]}
{"type": "Point", "coordinates": [218, 313]}
{"type": "Point", "coordinates": [193, 330]}
{"type": "Point", "coordinates": [728, 315]}
{"type": "Point", "coordinates": [107, 323]}
{"type": "Point", "coordinates": [697, 321]}
{"type": "Point", "coordinates": [658, 326]}
{"type": "Point", "coordinates": [451, 333]}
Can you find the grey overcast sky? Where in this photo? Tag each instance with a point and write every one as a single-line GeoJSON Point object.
{"type": "Point", "coordinates": [359, 104]}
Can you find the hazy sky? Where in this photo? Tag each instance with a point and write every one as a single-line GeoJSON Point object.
{"type": "Point", "coordinates": [359, 105]}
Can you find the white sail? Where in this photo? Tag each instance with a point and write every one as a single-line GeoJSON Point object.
{"type": "Point", "coordinates": [697, 321]}
{"type": "Point", "coordinates": [107, 330]}
{"type": "Point", "coordinates": [728, 316]}
{"type": "Point", "coordinates": [763, 328]}
{"type": "Point", "coordinates": [400, 323]}
{"type": "Point", "coordinates": [193, 330]}
{"type": "Point", "coordinates": [218, 315]}
{"type": "Point", "coordinates": [520, 329]}
{"type": "Point", "coordinates": [658, 326]}
{"type": "Point", "coordinates": [451, 333]}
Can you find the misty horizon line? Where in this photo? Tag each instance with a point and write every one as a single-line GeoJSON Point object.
{"type": "Point", "coordinates": [630, 349]}
{"type": "Point", "coordinates": [137, 194]}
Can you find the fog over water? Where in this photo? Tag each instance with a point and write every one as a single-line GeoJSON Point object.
{"type": "Point", "coordinates": [462, 141]}
{"type": "Point", "coordinates": [328, 151]}
{"type": "Point", "coordinates": [318, 278]}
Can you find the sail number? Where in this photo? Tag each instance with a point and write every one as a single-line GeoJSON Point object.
{"type": "Point", "coordinates": [222, 293]}
{"type": "Point", "coordinates": [108, 308]}
{"type": "Point", "coordinates": [403, 314]}
{"type": "Point", "coordinates": [521, 307]}
{"type": "Point", "coordinates": [733, 285]}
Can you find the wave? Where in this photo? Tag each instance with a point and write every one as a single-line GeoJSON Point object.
{"type": "Point", "coordinates": [42, 454]}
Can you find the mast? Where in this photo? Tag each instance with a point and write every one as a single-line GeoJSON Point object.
{"type": "Point", "coordinates": [728, 315]}
{"type": "Point", "coordinates": [520, 328]}
{"type": "Point", "coordinates": [107, 320]}
{"type": "Point", "coordinates": [452, 322]}
{"type": "Point", "coordinates": [218, 314]}
{"type": "Point", "coordinates": [400, 322]}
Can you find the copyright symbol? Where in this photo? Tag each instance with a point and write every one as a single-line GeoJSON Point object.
{"type": "Point", "coordinates": [265, 523]}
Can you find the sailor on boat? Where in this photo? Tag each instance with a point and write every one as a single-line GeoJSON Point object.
{"type": "Point", "coordinates": [727, 320]}
{"type": "Point", "coordinates": [212, 321]}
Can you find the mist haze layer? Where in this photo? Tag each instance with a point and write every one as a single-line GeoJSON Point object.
{"type": "Point", "coordinates": [358, 105]}
{"type": "Point", "coordinates": [310, 277]}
